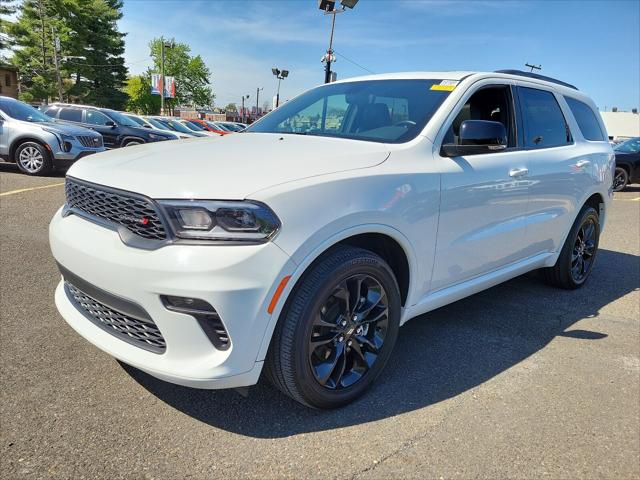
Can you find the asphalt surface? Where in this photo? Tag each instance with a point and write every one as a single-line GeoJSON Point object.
{"type": "Point", "coordinates": [519, 381]}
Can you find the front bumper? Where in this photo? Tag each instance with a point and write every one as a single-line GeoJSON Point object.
{"type": "Point", "coordinates": [238, 281]}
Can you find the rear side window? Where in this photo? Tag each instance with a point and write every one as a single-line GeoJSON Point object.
{"type": "Point", "coordinates": [544, 123]}
{"type": "Point", "coordinates": [71, 114]}
{"type": "Point", "coordinates": [587, 120]}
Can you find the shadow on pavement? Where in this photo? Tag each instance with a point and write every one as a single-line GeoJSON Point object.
{"type": "Point", "coordinates": [438, 355]}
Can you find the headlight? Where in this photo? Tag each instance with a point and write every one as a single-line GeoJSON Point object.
{"type": "Point", "coordinates": [63, 140]}
{"type": "Point", "coordinates": [221, 221]}
{"type": "Point", "coordinates": [153, 136]}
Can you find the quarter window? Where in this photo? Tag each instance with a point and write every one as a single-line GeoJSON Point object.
{"type": "Point", "coordinates": [71, 114]}
{"type": "Point", "coordinates": [586, 118]}
{"type": "Point", "coordinates": [544, 123]}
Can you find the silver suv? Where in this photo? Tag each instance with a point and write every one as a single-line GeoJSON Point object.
{"type": "Point", "coordinates": [37, 143]}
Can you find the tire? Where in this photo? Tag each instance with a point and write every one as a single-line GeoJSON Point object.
{"type": "Point", "coordinates": [316, 309]}
{"type": "Point", "coordinates": [33, 159]}
{"type": "Point", "coordinates": [131, 143]}
{"type": "Point", "coordinates": [578, 254]}
{"type": "Point", "coordinates": [620, 179]}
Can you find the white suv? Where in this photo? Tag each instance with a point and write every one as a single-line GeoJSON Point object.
{"type": "Point", "coordinates": [301, 245]}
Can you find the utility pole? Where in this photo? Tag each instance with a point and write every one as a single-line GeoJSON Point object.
{"type": "Point", "coordinates": [329, 57]}
{"type": "Point", "coordinates": [533, 67]}
{"type": "Point", "coordinates": [162, 78]}
{"type": "Point", "coordinates": [56, 51]}
{"type": "Point", "coordinates": [244, 97]}
{"type": "Point", "coordinates": [257, 97]}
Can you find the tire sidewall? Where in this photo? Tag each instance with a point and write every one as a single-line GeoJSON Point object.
{"type": "Point", "coordinates": [46, 158]}
{"type": "Point", "coordinates": [584, 215]}
{"type": "Point", "coordinates": [306, 383]}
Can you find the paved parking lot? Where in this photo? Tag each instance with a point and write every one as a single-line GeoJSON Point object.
{"type": "Point", "coordinates": [518, 381]}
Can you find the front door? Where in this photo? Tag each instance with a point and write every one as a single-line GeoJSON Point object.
{"type": "Point", "coordinates": [97, 121]}
{"type": "Point", "coordinates": [483, 197]}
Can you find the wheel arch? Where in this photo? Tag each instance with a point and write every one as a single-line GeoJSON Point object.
{"type": "Point", "coordinates": [383, 240]}
{"type": "Point", "coordinates": [27, 138]}
{"type": "Point", "coordinates": [130, 138]}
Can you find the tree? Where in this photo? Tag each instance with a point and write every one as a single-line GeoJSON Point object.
{"type": "Point", "coordinates": [91, 50]}
{"type": "Point", "coordinates": [231, 107]}
{"type": "Point", "coordinates": [191, 73]}
{"type": "Point", "coordinates": [138, 88]}
{"type": "Point", "coordinates": [6, 8]}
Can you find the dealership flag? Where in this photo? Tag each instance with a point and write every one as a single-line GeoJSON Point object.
{"type": "Point", "coordinates": [169, 85]}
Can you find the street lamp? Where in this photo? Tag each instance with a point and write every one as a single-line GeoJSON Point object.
{"type": "Point", "coordinates": [163, 45]}
{"type": "Point", "coordinates": [280, 75]}
{"type": "Point", "coordinates": [244, 97]}
{"type": "Point", "coordinates": [258, 99]}
{"type": "Point", "coordinates": [329, 8]}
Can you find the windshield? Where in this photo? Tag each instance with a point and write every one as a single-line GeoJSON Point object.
{"type": "Point", "coordinates": [217, 126]}
{"type": "Point", "coordinates": [121, 119]}
{"type": "Point", "coordinates": [139, 121]}
{"type": "Point", "coordinates": [388, 111]}
{"type": "Point", "coordinates": [22, 111]}
{"type": "Point", "coordinates": [193, 126]}
{"type": "Point", "coordinates": [232, 127]}
{"type": "Point", "coordinates": [158, 124]}
{"type": "Point", "coordinates": [177, 126]}
{"type": "Point", "coordinates": [629, 146]}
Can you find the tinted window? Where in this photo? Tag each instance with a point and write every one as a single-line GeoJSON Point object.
{"type": "Point", "coordinates": [71, 114]}
{"type": "Point", "coordinates": [586, 118]}
{"type": "Point", "coordinates": [96, 118]}
{"type": "Point", "coordinates": [51, 112]}
{"type": "Point", "coordinates": [390, 111]}
{"type": "Point", "coordinates": [630, 146]}
{"type": "Point", "coordinates": [22, 111]}
{"type": "Point", "coordinates": [544, 123]}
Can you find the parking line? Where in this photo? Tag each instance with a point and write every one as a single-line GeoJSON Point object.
{"type": "Point", "coordinates": [13, 192]}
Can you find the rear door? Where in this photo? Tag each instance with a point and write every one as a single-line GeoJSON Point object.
{"type": "Point", "coordinates": [559, 169]}
{"type": "Point", "coordinates": [483, 197]}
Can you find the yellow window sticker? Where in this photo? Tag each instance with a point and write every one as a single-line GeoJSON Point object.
{"type": "Point", "coordinates": [445, 85]}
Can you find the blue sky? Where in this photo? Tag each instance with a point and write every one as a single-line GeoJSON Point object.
{"type": "Point", "coordinates": [592, 44]}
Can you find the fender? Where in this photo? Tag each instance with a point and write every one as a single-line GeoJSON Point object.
{"type": "Point", "coordinates": [302, 266]}
{"type": "Point", "coordinates": [130, 137]}
{"type": "Point", "coordinates": [25, 138]}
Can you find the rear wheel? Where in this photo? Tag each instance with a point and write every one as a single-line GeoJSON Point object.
{"type": "Point", "coordinates": [337, 331]}
{"type": "Point", "coordinates": [578, 253]}
{"type": "Point", "coordinates": [620, 179]}
{"type": "Point", "coordinates": [33, 159]}
{"type": "Point", "coordinates": [131, 143]}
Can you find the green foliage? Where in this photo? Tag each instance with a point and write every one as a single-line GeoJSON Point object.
{"type": "Point", "coordinates": [191, 73]}
{"type": "Point", "coordinates": [231, 107]}
{"type": "Point", "coordinates": [138, 88]}
{"type": "Point", "coordinates": [87, 29]}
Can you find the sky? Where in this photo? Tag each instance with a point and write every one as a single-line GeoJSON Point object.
{"type": "Point", "coordinates": [594, 45]}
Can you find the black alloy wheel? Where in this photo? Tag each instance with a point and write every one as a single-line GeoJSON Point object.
{"type": "Point", "coordinates": [620, 179]}
{"type": "Point", "coordinates": [348, 332]}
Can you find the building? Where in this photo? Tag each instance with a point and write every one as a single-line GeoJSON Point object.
{"type": "Point", "coordinates": [8, 80]}
{"type": "Point", "coordinates": [621, 125]}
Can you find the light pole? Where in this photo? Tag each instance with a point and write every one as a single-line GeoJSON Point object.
{"type": "Point", "coordinates": [329, 8]}
{"type": "Point", "coordinates": [280, 75]}
{"type": "Point", "coordinates": [244, 97]}
{"type": "Point", "coordinates": [163, 45]}
{"type": "Point", "coordinates": [257, 97]}
{"type": "Point", "coordinates": [56, 51]}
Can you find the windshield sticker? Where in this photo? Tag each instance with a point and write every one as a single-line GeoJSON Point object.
{"type": "Point", "coordinates": [445, 85]}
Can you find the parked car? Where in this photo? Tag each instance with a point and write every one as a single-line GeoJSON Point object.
{"type": "Point", "coordinates": [627, 163]}
{"type": "Point", "coordinates": [37, 143]}
{"type": "Point", "coordinates": [116, 129]}
{"type": "Point", "coordinates": [202, 128]}
{"type": "Point", "coordinates": [146, 123]}
{"type": "Point", "coordinates": [177, 127]}
{"type": "Point", "coordinates": [231, 126]}
{"type": "Point", "coordinates": [301, 246]}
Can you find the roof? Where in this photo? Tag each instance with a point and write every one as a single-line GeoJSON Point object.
{"type": "Point", "coordinates": [6, 66]}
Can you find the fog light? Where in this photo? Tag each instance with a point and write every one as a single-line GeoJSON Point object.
{"type": "Point", "coordinates": [195, 219]}
{"type": "Point", "coordinates": [187, 305]}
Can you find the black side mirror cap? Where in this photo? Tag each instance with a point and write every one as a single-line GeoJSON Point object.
{"type": "Point", "coordinates": [477, 137]}
{"type": "Point", "coordinates": [110, 123]}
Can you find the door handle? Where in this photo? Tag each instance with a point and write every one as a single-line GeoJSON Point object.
{"type": "Point", "coordinates": [518, 172]}
{"type": "Point", "coordinates": [583, 163]}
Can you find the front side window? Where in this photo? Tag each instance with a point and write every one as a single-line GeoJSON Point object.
{"type": "Point", "coordinates": [71, 114]}
{"type": "Point", "coordinates": [388, 111]}
{"type": "Point", "coordinates": [630, 146]}
{"type": "Point", "coordinates": [120, 119]}
{"type": "Point", "coordinates": [544, 123]}
{"type": "Point", "coordinates": [586, 119]}
{"type": "Point", "coordinates": [96, 118]}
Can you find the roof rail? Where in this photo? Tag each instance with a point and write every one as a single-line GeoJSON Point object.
{"type": "Point", "coordinates": [520, 73]}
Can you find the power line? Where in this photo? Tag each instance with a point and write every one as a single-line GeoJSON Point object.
{"type": "Point", "coordinates": [355, 63]}
{"type": "Point", "coordinates": [106, 64]}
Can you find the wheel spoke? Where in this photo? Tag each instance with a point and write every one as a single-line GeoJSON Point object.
{"type": "Point", "coordinates": [368, 343]}
{"type": "Point", "coordinates": [590, 248]}
{"type": "Point", "coordinates": [354, 285]}
{"type": "Point", "coordinates": [341, 292]}
{"type": "Point", "coordinates": [320, 340]}
{"type": "Point", "coordinates": [325, 369]}
{"type": "Point", "coordinates": [577, 269]}
{"type": "Point", "coordinates": [362, 356]}
{"type": "Point", "coordinates": [589, 231]}
{"type": "Point", "coordinates": [381, 315]}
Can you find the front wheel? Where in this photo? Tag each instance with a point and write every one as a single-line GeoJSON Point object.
{"type": "Point", "coordinates": [620, 179]}
{"type": "Point", "coordinates": [33, 159]}
{"type": "Point", "coordinates": [337, 331]}
{"type": "Point", "coordinates": [578, 254]}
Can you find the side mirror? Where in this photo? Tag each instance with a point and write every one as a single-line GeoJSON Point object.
{"type": "Point", "coordinates": [110, 123]}
{"type": "Point", "coordinates": [476, 137]}
{"type": "Point", "coordinates": [147, 126]}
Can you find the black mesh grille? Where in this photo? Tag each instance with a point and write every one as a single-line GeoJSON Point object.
{"type": "Point", "coordinates": [89, 141]}
{"type": "Point", "coordinates": [137, 214]}
{"type": "Point", "coordinates": [142, 333]}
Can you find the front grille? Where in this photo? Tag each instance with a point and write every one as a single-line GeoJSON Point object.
{"type": "Point", "coordinates": [134, 212]}
{"type": "Point", "coordinates": [90, 141]}
{"type": "Point", "coordinates": [142, 333]}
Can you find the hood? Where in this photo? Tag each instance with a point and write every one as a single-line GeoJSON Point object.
{"type": "Point", "coordinates": [65, 128]}
{"type": "Point", "coordinates": [225, 168]}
